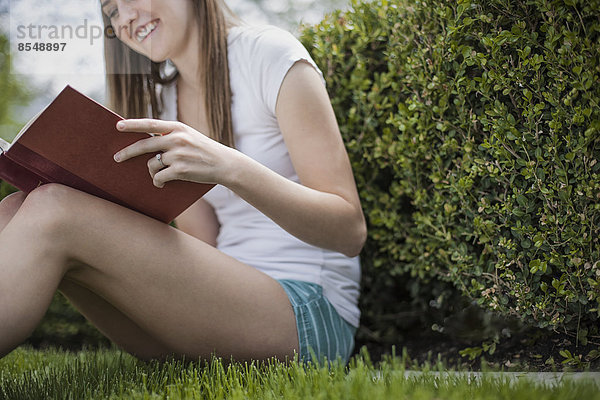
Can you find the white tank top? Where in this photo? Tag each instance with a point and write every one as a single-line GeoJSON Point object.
{"type": "Point", "coordinates": [259, 59]}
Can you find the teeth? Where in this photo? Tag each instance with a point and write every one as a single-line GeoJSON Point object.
{"type": "Point", "coordinates": [145, 31]}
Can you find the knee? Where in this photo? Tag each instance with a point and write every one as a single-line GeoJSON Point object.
{"type": "Point", "coordinates": [11, 203]}
{"type": "Point", "coordinates": [50, 195]}
{"type": "Point", "coordinates": [48, 204]}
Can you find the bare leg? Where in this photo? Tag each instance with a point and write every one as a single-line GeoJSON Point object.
{"type": "Point", "coordinates": [113, 323]}
{"type": "Point", "coordinates": [186, 295]}
{"type": "Point", "coordinates": [9, 206]}
{"type": "Point", "coordinates": [110, 321]}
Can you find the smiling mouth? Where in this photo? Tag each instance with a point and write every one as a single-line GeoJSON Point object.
{"type": "Point", "coordinates": [146, 30]}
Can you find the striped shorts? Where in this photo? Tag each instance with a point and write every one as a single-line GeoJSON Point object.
{"type": "Point", "coordinates": [322, 333]}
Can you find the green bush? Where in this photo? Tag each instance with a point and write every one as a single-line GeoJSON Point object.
{"type": "Point", "coordinates": [473, 129]}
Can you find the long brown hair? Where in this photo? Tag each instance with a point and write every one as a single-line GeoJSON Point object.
{"type": "Point", "coordinates": [132, 78]}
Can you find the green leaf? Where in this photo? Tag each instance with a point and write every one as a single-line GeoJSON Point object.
{"type": "Point", "coordinates": [534, 266]}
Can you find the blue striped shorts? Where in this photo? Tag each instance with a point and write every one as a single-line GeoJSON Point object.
{"type": "Point", "coordinates": [321, 330]}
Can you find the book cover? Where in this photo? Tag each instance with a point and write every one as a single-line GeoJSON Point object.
{"type": "Point", "coordinates": [72, 142]}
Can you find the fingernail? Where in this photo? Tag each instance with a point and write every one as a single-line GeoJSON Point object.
{"type": "Point", "coordinates": [120, 125]}
{"type": "Point", "coordinates": [117, 157]}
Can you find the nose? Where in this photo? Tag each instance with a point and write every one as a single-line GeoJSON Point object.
{"type": "Point", "coordinates": [127, 14]}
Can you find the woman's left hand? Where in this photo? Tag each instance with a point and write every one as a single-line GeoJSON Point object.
{"type": "Point", "coordinates": [186, 154]}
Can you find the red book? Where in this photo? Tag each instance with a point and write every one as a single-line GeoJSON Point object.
{"type": "Point", "coordinates": [72, 142]}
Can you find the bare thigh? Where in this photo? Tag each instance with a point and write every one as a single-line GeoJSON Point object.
{"type": "Point", "coordinates": [185, 295]}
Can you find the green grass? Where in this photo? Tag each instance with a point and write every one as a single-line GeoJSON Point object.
{"type": "Point", "coordinates": [52, 374]}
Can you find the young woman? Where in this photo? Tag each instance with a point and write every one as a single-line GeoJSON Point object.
{"type": "Point", "coordinates": [264, 265]}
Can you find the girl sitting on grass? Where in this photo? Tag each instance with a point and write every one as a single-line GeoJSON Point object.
{"type": "Point", "coordinates": [264, 265]}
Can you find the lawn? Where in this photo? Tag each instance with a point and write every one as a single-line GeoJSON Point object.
{"type": "Point", "coordinates": [54, 374]}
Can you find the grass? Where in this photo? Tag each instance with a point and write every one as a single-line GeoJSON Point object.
{"type": "Point", "coordinates": [101, 374]}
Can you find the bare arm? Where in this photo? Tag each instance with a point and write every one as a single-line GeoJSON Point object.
{"type": "Point", "coordinates": [325, 210]}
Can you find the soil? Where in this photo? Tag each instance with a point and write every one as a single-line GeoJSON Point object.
{"type": "Point", "coordinates": [531, 350]}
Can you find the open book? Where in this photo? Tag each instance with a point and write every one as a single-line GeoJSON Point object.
{"type": "Point", "coordinates": [72, 141]}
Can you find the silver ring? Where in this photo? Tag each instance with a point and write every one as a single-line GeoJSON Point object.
{"type": "Point", "coordinates": [159, 158]}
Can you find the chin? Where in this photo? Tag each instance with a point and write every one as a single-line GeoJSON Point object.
{"type": "Point", "coordinates": [155, 56]}
{"type": "Point", "coordinates": [157, 59]}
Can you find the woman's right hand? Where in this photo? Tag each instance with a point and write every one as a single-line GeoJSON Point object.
{"type": "Point", "coordinates": [186, 154]}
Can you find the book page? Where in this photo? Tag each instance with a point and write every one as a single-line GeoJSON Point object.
{"type": "Point", "coordinates": [4, 145]}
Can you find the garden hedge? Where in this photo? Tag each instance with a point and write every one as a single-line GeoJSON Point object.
{"type": "Point", "coordinates": [473, 130]}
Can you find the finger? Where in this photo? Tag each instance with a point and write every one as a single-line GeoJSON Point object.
{"type": "Point", "coordinates": [143, 146]}
{"type": "Point", "coordinates": [154, 165]}
{"type": "Point", "coordinates": [163, 176]}
{"type": "Point", "coordinates": [147, 125]}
